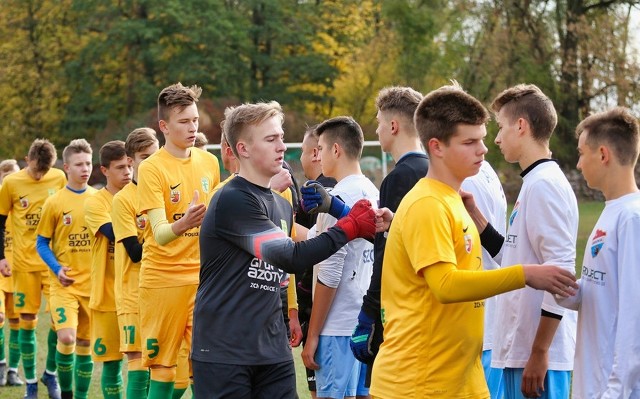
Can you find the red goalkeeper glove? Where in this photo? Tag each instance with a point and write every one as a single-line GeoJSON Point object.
{"type": "Point", "coordinates": [360, 222]}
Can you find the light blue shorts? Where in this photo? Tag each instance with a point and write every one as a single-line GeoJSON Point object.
{"type": "Point", "coordinates": [340, 374]}
{"type": "Point", "coordinates": [493, 377]}
{"type": "Point", "coordinates": [557, 384]}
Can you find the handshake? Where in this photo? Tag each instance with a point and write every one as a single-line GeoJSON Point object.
{"type": "Point", "coordinates": [361, 221]}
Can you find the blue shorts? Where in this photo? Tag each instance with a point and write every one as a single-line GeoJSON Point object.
{"type": "Point", "coordinates": [557, 384]}
{"type": "Point", "coordinates": [340, 374]}
{"type": "Point", "coordinates": [493, 377]}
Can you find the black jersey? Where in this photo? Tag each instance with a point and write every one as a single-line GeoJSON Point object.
{"type": "Point", "coordinates": [244, 248]}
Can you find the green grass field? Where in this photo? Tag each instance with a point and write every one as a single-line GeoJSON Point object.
{"type": "Point", "coordinates": [589, 212]}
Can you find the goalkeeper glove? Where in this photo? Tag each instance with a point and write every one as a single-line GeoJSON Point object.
{"type": "Point", "coordinates": [361, 338]}
{"type": "Point", "coordinates": [360, 222]}
{"type": "Point", "coordinates": [315, 199]}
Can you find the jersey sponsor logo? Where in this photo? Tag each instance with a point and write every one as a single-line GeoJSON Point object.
{"type": "Point", "coordinates": [264, 272]}
{"type": "Point", "coordinates": [32, 219]}
{"type": "Point", "coordinates": [597, 242]}
{"type": "Point", "coordinates": [367, 256]}
{"type": "Point", "coordinates": [204, 182]}
{"type": "Point", "coordinates": [141, 221]}
{"type": "Point", "coordinates": [593, 275]}
{"type": "Point", "coordinates": [66, 218]}
{"type": "Point", "coordinates": [514, 213]}
{"type": "Point", "coordinates": [510, 240]}
{"type": "Point", "coordinates": [24, 201]}
{"type": "Point", "coordinates": [81, 239]}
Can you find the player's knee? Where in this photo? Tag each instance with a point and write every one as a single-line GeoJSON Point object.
{"type": "Point", "coordinates": [67, 337]}
{"type": "Point", "coordinates": [28, 316]}
{"type": "Point", "coordinates": [1, 318]}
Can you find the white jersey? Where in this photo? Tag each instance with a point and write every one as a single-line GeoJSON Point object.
{"type": "Point", "coordinates": [489, 197]}
{"type": "Point", "coordinates": [542, 229]}
{"type": "Point", "coordinates": [348, 270]}
{"type": "Point", "coordinates": [608, 346]}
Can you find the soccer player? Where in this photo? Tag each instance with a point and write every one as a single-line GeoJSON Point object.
{"type": "Point", "coordinates": [105, 334]}
{"type": "Point", "coordinates": [342, 278]}
{"type": "Point", "coordinates": [398, 137]}
{"type": "Point", "coordinates": [64, 245]}
{"type": "Point", "coordinates": [8, 375]}
{"type": "Point", "coordinates": [245, 248]}
{"type": "Point", "coordinates": [432, 278]}
{"type": "Point", "coordinates": [22, 196]}
{"type": "Point", "coordinates": [175, 184]}
{"type": "Point", "coordinates": [310, 161]}
{"type": "Point", "coordinates": [534, 338]}
{"type": "Point", "coordinates": [129, 228]}
{"type": "Point", "coordinates": [607, 347]}
{"type": "Point", "coordinates": [490, 199]}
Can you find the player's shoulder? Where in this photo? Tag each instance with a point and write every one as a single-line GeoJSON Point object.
{"type": "Point", "coordinates": [56, 173]}
{"type": "Point", "coordinates": [97, 198]}
{"type": "Point", "coordinates": [127, 192]}
{"type": "Point", "coordinates": [203, 156]}
{"type": "Point", "coordinates": [14, 178]}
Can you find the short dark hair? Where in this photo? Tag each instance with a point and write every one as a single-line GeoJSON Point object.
{"type": "Point", "coordinates": [44, 153]}
{"type": "Point", "coordinates": [400, 100]}
{"type": "Point", "coordinates": [345, 131]}
{"type": "Point", "coordinates": [139, 139]}
{"type": "Point", "coordinates": [76, 146]}
{"type": "Point", "coordinates": [617, 128]}
{"type": "Point", "coordinates": [112, 151]}
{"type": "Point", "coordinates": [442, 110]}
{"type": "Point", "coordinates": [176, 96]}
{"type": "Point", "coordinates": [527, 101]}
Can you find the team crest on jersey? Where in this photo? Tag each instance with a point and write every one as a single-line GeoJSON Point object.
{"type": "Point", "coordinates": [174, 195]}
{"type": "Point", "coordinates": [66, 218]}
{"type": "Point", "coordinates": [597, 242]}
{"type": "Point", "coordinates": [514, 213]}
{"type": "Point", "coordinates": [468, 243]}
{"type": "Point", "coordinates": [51, 191]}
{"type": "Point", "coordinates": [283, 226]}
{"type": "Point", "coordinates": [205, 184]}
{"type": "Point", "coordinates": [141, 221]}
{"type": "Point", "coordinates": [24, 201]}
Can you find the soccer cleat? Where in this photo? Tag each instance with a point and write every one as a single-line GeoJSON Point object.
{"type": "Point", "coordinates": [3, 374]}
{"type": "Point", "coordinates": [13, 379]}
{"type": "Point", "coordinates": [32, 391]}
{"type": "Point", "coordinates": [67, 395]}
{"type": "Point", "coordinates": [51, 382]}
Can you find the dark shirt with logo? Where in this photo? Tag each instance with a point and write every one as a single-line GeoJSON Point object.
{"type": "Point", "coordinates": [244, 249]}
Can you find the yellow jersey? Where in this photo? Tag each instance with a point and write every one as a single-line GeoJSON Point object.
{"type": "Point", "coordinates": [127, 223]}
{"type": "Point", "coordinates": [430, 349]}
{"type": "Point", "coordinates": [168, 183]}
{"type": "Point", "coordinates": [22, 197]}
{"type": "Point", "coordinates": [6, 283]}
{"type": "Point", "coordinates": [98, 213]}
{"type": "Point", "coordinates": [63, 221]}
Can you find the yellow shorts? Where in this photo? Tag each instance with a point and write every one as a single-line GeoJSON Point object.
{"type": "Point", "coordinates": [183, 368]}
{"type": "Point", "coordinates": [129, 324]}
{"type": "Point", "coordinates": [166, 319]}
{"type": "Point", "coordinates": [71, 311]}
{"type": "Point", "coordinates": [105, 336]}
{"type": "Point", "coordinates": [28, 288]}
{"type": "Point", "coordinates": [6, 305]}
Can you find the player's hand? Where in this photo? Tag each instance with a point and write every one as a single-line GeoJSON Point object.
{"type": "Point", "coordinates": [360, 222]}
{"type": "Point", "coordinates": [468, 201]}
{"type": "Point", "coordinates": [553, 279]}
{"type": "Point", "coordinates": [309, 353]}
{"type": "Point", "coordinates": [5, 268]}
{"type": "Point", "coordinates": [195, 213]}
{"type": "Point", "coordinates": [316, 199]}
{"type": "Point", "coordinates": [294, 327]}
{"type": "Point", "coordinates": [384, 216]}
{"type": "Point", "coordinates": [534, 373]}
{"type": "Point", "coordinates": [281, 181]}
{"type": "Point", "coordinates": [63, 278]}
{"type": "Point", "coordinates": [361, 338]}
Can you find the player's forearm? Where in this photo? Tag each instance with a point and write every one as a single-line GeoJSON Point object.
{"type": "Point", "coordinates": [322, 301]}
{"type": "Point", "coordinates": [301, 233]}
{"type": "Point", "coordinates": [163, 232]}
{"type": "Point", "coordinates": [47, 255]}
{"type": "Point", "coordinates": [292, 295]}
{"type": "Point", "coordinates": [3, 223]}
{"type": "Point", "coordinates": [544, 335]}
{"type": "Point", "coordinates": [450, 285]}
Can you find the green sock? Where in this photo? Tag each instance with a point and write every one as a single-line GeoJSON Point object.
{"type": "Point", "coordinates": [112, 386]}
{"type": "Point", "coordinates": [2, 354]}
{"type": "Point", "coordinates": [137, 383]}
{"type": "Point", "coordinates": [193, 390]}
{"type": "Point", "coordinates": [52, 341]}
{"type": "Point", "coordinates": [84, 369]}
{"type": "Point", "coordinates": [178, 392]}
{"type": "Point", "coordinates": [65, 371]}
{"type": "Point", "coordinates": [14, 349]}
{"type": "Point", "coordinates": [160, 390]}
{"type": "Point", "coordinates": [28, 351]}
